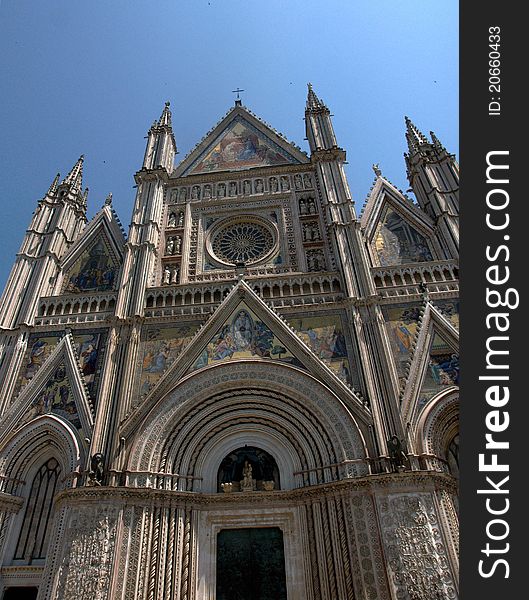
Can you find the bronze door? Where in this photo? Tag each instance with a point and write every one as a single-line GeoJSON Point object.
{"type": "Point", "coordinates": [251, 564]}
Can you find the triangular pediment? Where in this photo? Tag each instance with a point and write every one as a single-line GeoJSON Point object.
{"type": "Point", "coordinates": [244, 327]}
{"type": "Point", "coordinates": [240, 141]}
{"type": "Point", "coordinates": [92, 264]}
{"type": "Point", "coordinates": [397, 231]}
{"type": "Point", "coordinates": [57, 388]}
{"type": "Point", "coordinates": [434, 365]}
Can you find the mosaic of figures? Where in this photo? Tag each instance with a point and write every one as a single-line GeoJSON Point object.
{"type": "Point", "coordinates": [246, 187]}
{"type": "Point", "coordinates": [245, 336]}
{"type": "Point", "coordinates": [324, 336]}
{"type": "Point", "coordinates": [396, 242]}
{"type": "Point", "coordinates": [401, 325]}
{"type": "Point", "coordinates": [40, 346]}
{"type": "Point", "coordinates": [57, 398]}
{"type": "Point", "coordinates": [450, 310]}
{"type": "Point", "coordinates": [442, 370]}
{"type": "Point", "coordinates": [94, 271]}
{"type": "Point", "coordinates": [159, 350]}
{"type": "Point", "coordinates": [241, 146]}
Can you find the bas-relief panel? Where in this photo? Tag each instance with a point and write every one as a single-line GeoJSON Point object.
{"type": "Point", "coordinates": [442, 370]}
{"type": "Point", "coordinates": [396, 242]}
{"type": "Point", "coordinates": [401, 325]}
{"type": "Point", "coordinates": [244, 335]}
{"type": "Point", "coordinates": [160, 348]}
{"type": "Point", "coordinates": [94, 271]}
{"type": "Point", "coordinates": [241, 146]}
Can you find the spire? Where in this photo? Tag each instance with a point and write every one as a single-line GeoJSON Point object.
{"type": "Point", "coordinates": [415, 138]}
{"type": "Point", "coordinates": [313, 102]}
{"type": "Point", "coordinates": [75, 176]}
{"type": "Point", "coordinates": [54, 184]}
{"type": "Point", "coordinates": [165, 119]}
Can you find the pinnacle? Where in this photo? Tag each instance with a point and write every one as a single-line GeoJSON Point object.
{"type": "Point", "coordinates": [75, 176]}
{"type": "Point", "coordinates": [54, 184]}
{"type": "Point", "coordinates": [414, 137]}
{"type": "Point", "coordinates": [108, 200]}
{"type": "Point", "coordinates": [165, 119]}
{"type": "Point", "coordinates": [313, 102]}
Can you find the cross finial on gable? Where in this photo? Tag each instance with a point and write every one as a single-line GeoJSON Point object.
{"type": "Point", "coordinates": [238, 101]}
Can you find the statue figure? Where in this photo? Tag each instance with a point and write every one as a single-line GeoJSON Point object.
{"type": "Point", "coordinates": [183, 194]}
{"type": "Point", "coordinates": [96, 473]}
{"type": "Point", "coordinates": [247, 483]}
{"type": "Point", "coordinates": [166, 275]}
{"type": "Point", "coordinates": [285, 186]}
{"type": "Point", "coordinates": [312, 206]}
{"type": "Point", "coordinates": [178, 244]}
{"type": "Point", "coordinates": [303, 207]}
{"type": "Point", "coordinates": [221, 190]}
{"type": "Point", "coordinates": [195, 193]}
{"type": "Point", "coordinates": [273, 184]}
{"type": "Point", "coordinates": [174, 275]}
{"type": "Point", "coordinates": [307, 180]}
{"type": "Point", "coordinates": [396, 455]}
{"type": "Point", "coordinates": [259, 186]}
{"type": "Point", "coordinates": [207, 192]}
{"type": "Point", "coordinates": [233, 188]}
{"type": "Point", "coordinates": [171, 222]}
{"type": "Point", "coordinates": [169, 246]}
{"type": "Point", "coordinates": [247, 187]}
{"type": "Point", "coordinates": [298, 183]}
{"type": "Point", "coordinates": [180, 219]}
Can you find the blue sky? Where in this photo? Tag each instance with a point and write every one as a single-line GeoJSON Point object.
{"type": "Point", "coordinates": [89, 77]}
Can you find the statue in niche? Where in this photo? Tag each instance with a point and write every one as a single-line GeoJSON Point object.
{"type": "Point", "coordinates": [285, 185]}
{"type": "Point", "coordinates": [273, 184]}
{"type": "Point", "coordinates": [307, 180]}
{"type": "Point", "coordinates": [174, 274]}
{"type": "Point", "coordinates": [183, 194]}
{"type": "Point", "coordinates": [96, 473]}
{"type": "Point", "coordinates": [180, 219]}
{"type": "Point", "coordinates": [315, 261]}
{"type": "Point", "coordinates": [177, 245]}
{"type": "Point", "coordinates": [221, 190]}
{"type": "Point", "coordinates": [233, 188]}
{"type": "Point", "coordinates": [207, 192]}
{"type": "Point", "coordinates": [312, 206]}
{"type": "Point", "coordinates": [195, 193]}
{"type": "Point", "coordinates": [170, 245]}
{"type": "Point", "coordinates": [303, 207]}
{"type": "Point", "coordinates": [247, 187]}
{"type": "Point", "coordinates": [174, 195]}
{"type": "Point", "coordinates": [298, 183]}
{"type": "Point", "coordinates": [248, 482]}
{"type": "Point", "coordinates": [166, 275]}
{"type": "Point", "coordinates": [259, 186]}
{"type": "Point", "coordinates": [171, 222]}
{"type": "Point", "coordinates": [397, 457]}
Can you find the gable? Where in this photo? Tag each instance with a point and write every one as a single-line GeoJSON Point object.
{"type": "Point", "coordinates": [95, 269]}
{"type": "Point", "coordinates": [240, 145]}
{"type": "Point", "coordinates": [442, 370]}
{"type": "Point", "coordinates": [57, 388]}
{"type": "Point", "coordinates": [396, 241]}
{"type": "Point", "coordinates": [244, 335]}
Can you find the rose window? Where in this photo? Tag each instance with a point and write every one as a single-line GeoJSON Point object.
{"type": "Point", "coordinates": [242, 242]}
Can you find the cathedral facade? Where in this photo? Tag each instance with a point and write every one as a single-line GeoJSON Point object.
{"type": "Point", "coordinates": [251, 395]}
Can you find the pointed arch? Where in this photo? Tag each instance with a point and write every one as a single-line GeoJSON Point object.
{"type": "Point", "coordinates": [437, 426]}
